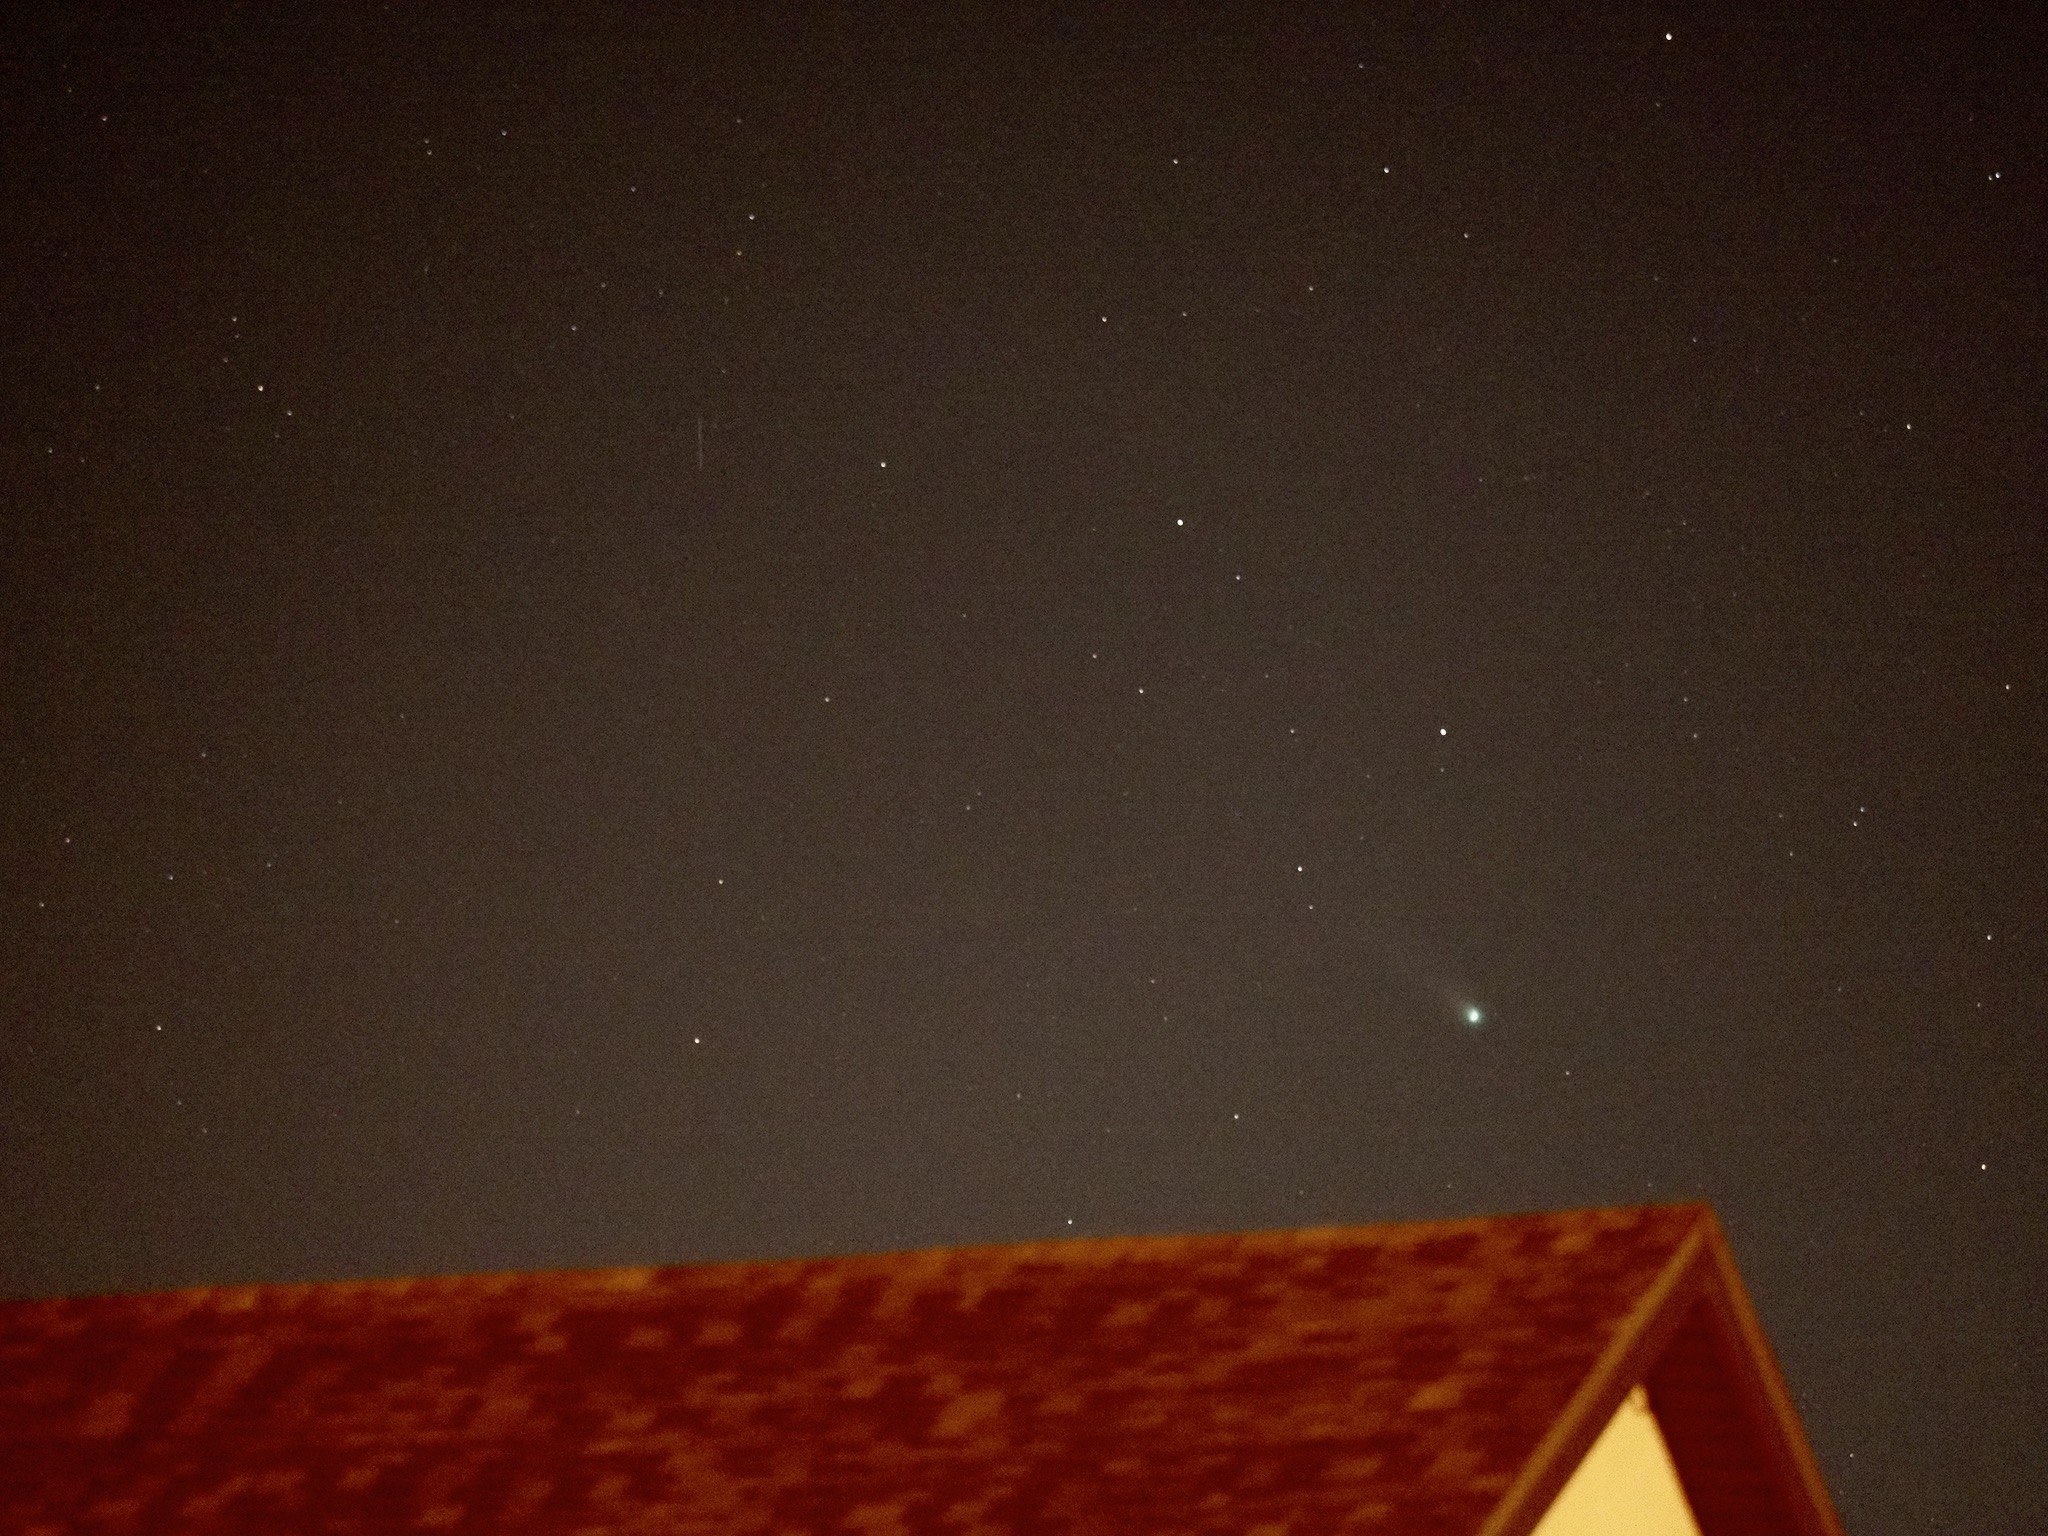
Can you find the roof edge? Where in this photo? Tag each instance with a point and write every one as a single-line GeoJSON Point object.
{"type": "Point", "coordinates": [1626, 1360]}
{"type": "Point", "coordinates": [1701, 1271]}
{"type": "Point", "coordinates": [1099, 1249]}
{"type": "Point", "coordinates": [1755, 1374]}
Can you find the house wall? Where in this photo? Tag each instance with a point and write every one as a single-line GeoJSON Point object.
{"type": "Point", "coordinates": [1626, 1486]}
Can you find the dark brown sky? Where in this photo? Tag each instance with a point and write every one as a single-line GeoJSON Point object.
{"type": "Point", "coordinates": [1220, 545]}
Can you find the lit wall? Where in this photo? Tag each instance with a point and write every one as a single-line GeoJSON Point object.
{"type": "Point", "coordinates": [1626, 1486]}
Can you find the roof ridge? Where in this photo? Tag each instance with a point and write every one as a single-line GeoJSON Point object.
{"type": "Point", "coordinates": [1103, 1247]}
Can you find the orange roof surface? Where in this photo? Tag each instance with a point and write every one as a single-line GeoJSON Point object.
{"type": "Point", "coordinates": [1401, 1379]}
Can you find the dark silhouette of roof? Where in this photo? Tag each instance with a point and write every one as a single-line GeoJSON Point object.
{"type": "Point", "coordinates": [1436, 1378]}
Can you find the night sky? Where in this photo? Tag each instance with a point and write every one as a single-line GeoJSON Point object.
{"type": "Point", "coordinates": [649, 636]}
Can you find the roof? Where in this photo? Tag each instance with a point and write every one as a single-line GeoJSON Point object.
{"type": "Point", "coordinates": [1438, 1377]}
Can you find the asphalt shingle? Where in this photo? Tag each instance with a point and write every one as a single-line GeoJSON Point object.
{"type": "Point", "coordinates": [1337, 1379]}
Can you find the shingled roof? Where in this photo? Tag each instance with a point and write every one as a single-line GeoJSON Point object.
{"type": "Point", "coordinates": [1436, 1378]}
